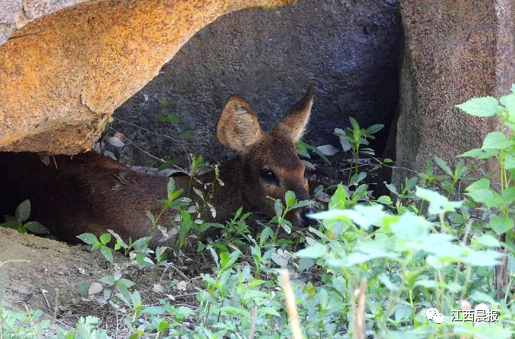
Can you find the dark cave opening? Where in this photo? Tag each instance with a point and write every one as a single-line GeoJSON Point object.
{"type": "Point", "coordinates": [349, 50]}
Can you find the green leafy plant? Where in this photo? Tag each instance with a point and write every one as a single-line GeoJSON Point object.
{"type": "Point", "coordinates": [19, 220]}
{"type": "Point", "coordinates": [434, 242]}
{"type": "Point", "coordinates": [353, 138]}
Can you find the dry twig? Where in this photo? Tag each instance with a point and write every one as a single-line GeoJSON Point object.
{"type": "Point", "coordinates": [290, 304]}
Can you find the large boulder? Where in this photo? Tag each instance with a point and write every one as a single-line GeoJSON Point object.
{"type": "Point", "coordinates": [453, 50]}
{"type": "Point", "coordinates": [62, 75]}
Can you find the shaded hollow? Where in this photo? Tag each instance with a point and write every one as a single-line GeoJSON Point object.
{"type": "Point", "coordinates": [348, 50]}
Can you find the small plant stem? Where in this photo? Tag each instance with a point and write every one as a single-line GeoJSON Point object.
{"type": "Point", "coordinates": [31, 322]}
{"type": "Point", "coordinates": [220, 312]}
{"type": "Point", "coordinates": [508, 289]}
{"type": "Point", "coordinates": [207, 313]}
{"type": "Point", "coordinates": [391, 298]}
{"type": "Point", "coordinates": [442, 222]}
{"type": "Point", "coordinates": [452, 188]}
{"type": "Point", "coordinates": [465, 284]}
{"type": "Point", "coordinates": [458, 266]}
{"type": "Point", "coordinates": [279, 223]}
{"type": "Point", "coordinates": [420, 207]}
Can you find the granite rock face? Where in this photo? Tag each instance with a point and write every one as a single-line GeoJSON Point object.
{"type": "Point", "coordinates": [347, 49]}
{"type": "Point", "coordinates": [453, 50]}
{"type": "Point", "coordinates": [62, 75]}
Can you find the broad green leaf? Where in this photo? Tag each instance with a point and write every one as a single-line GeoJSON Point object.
{"type": "Point", "coordinates": [508, 195]}
{"type": "Point", "coordinates": [328, 149]}
{"type": "Point", "coordinates": [227, 260]}
{"type": "Point", "coordinates": [500, 225]}
{"type": "Point", "coordinates": [339, 198]}
{"type": "Point", "coordinates": [473, 153]}
{"type": "Point", "coordinates": [301, 149]}
{"type": "Point", "coordinates": [387, 283]}
{"type": "Point", "coordinates": [481, 297]}
{"type": "Point", "coordinates": [290, 198]}
{"type": "Point", "coordinates": [456, 218]}
{"type": "Point", "coordinates": [491, 331]}
{"type": "Point", "coordinates": [105, 238]}
{"type": "Point", "coordinates": [88, 238]}
{"type": "Point", "coordinates": [508, 101]}
{"type": "Point", "coordinates": [346, 146]}
{"type": "Point", "coordinates": [278, 207]}
{"type": "Point", "coordinates": [305, 263]}
{"type": "Point", "coordinates": [22, 212]}
{"type": "Point", "coordinates": [480, 107]}
{"type": "Point", "coordinates": [256, 282]}
{"type": "Point", "coordinates": [163, 102]}
{"type": "Point", "coordinates": [384, 199]}
{"type": "Point", "coordinates": [426, 283]}
{"type": "Point", "coordinates": [509, 162]}
{"type": "Point", "coordinates": [354, 123]}
{"type": "Point", "coordinates": [496, 140]}
{"type": "Point", "coordinates": [83, 288]}
{"type": "Point", "coordinates": [107, 252]}
{"type": "Point", "coordinates": [315, 251]}
{"type": "Point", "coordinates": [443, 165]}
{"type": "Point", "coordinates": [153, 310]}
{"type": "Point", "coordinates": [268, 311]}
{"type": "Point", "coordinates": [482, 184]}
{"type": "Point", "coordinates": [143, 260]}
{"type": "Point", "coordinates": [108, 279]}
{"type": "Point", "coordinates": [11, 224]}
{"type": "Point", "coordinates": [302, 203]}
{"type": "Point", "coordinates": [174, 119]}
{"type": "Point", "coordinates": [437, 202]}
{"type": "Point", "coordinates": [482, 196]}
{"type": "Point", "coordinates": [480, 153]}
{"type": "Point", "coordinates": [374, 128]}
{"type": "Point", "coordinates": [36, 227]}
{"type": "Point", "coordinates": [402, 312]}
{"type": "Point", "coordinates": [488, 241]}
{"type": "Point", "coordinates": [440, 244]}
{"type": "Point", "coordinates": [411, 227]}
{"type": "Point", "coordinates": [141, 243]}
{"type": "Point", "coordinates": [486, 258]}
{"type": "Point", "coordinates": [363, 216]}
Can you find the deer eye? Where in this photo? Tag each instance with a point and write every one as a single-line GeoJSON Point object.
{"type": "Point", "coordinates": [268, 175]}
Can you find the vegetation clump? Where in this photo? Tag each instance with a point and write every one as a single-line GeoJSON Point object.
{"type": "Point", "coordinates": [372, 268]}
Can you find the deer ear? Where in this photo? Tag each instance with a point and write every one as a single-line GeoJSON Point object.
{"type": "Point", "coordinates": [238, 126]}
{"type": "Point", "coordinates": [295, 121]}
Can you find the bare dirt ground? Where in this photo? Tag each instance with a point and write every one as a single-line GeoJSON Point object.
{"type": "Point", "coordinates": [41, 273]}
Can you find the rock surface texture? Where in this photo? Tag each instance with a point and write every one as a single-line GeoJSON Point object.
{"type": "Point", "coordinates": [453, 50]}
{"type": "Point", "coordinates": [62, 75]}
{"type": "Point", "coordinates": [347, 49]}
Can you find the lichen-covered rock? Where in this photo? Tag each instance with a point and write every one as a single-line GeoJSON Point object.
{"type": "Point", "coordinates": [16, 13]}
{"type": "Point", "coordinates": [454, 50]}
{"type": "Point", "coordinates": [61, 76]}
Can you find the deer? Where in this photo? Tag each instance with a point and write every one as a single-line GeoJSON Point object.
{"type": "Point", "coordinates": [91, 193]}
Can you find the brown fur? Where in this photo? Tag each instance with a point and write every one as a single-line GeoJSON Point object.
{"type": "Point", "coordinates": [92, 193]}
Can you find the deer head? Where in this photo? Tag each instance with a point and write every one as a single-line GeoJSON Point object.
{"type": "Point", "coordinates": [269, 161]}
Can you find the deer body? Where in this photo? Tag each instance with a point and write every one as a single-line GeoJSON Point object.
{"type": "Point", "coordinates": [89, 193]}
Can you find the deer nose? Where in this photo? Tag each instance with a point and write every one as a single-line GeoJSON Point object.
{"type": "Point", "coordinates": [304, 219]}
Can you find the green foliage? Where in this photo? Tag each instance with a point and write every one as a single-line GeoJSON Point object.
{"type": "Point", "coordinates": [304, 149]}
{"type": "Point", "coordinates": [19, 220]}
{"type": "Point", "coordinates": [432, 243]}
{"type": "Point", "coordinates": [353, 138]}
